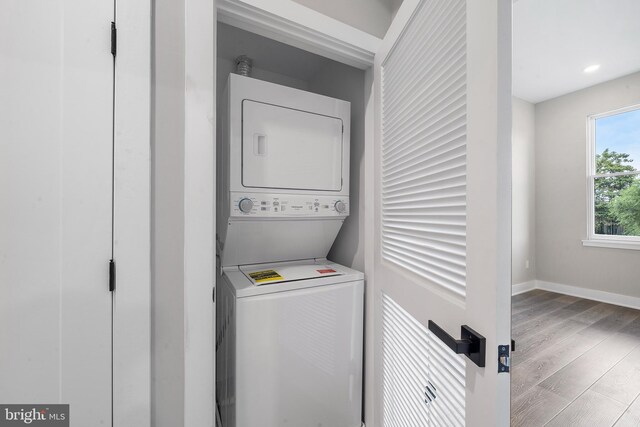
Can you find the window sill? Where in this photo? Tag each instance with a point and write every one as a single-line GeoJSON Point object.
{"type": "Point", "coordinates": [610, 243]}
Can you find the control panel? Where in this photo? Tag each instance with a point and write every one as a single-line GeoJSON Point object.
{"type": "Point", "coordinates": [274, 205]}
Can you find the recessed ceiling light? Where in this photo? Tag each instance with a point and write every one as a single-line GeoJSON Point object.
{"type": "Point", "coordinates": [592, 68]}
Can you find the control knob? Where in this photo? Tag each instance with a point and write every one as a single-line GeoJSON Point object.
{"type": "Point", "coordinates": [245, 205]}
{"type": "Point", "coordinates": [340, 206]}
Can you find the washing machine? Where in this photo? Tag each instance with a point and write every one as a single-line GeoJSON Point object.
{"type": "Point", "coordinates": [289, 330]}
{"type": "Point", "coordinates": [290, 345]}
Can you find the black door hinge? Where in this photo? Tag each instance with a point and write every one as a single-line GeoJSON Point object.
{"type": "Point", "coordinates": [114, 39]}
{"type": "Point", "coordinates": [112, 275]}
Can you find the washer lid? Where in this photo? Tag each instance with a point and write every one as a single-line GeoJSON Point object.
{"type": "Point", "coordinates": [294, 275]}
{"type": "Point", "coordinates": [266, 274]}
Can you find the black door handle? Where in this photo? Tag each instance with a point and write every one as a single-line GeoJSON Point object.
{"type": "Point", "coordinates": [472, 344]}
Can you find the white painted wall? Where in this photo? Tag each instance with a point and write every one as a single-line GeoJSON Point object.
{"type": "Point", "coordinates": [183, 206]}
{"type": "Point", "coordinates": [167, 216]}
{"type": "Point", "coordinates": [347, 83]}
{"type": "Point", "coordinates": [199, 211]}
{"type": "Point", "coordinates": [523, 209]}
{"type": "Point", "coordinates": [561, 199]}
{"type": "Point", "coordinates": [371, 16]}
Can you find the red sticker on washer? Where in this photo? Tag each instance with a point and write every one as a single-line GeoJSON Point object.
{"type": "Point", "coordinates": [326, 270]}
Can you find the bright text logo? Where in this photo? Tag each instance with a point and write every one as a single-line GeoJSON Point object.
{"type": "Point", "coordinates": [34, 415]}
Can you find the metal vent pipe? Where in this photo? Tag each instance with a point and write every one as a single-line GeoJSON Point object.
{"type": "Point", "coordinates": [243, 65]}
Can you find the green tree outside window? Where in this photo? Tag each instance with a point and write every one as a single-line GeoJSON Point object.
{"type": "Point", "coordinates": [617, 198]}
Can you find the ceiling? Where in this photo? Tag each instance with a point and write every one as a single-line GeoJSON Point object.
{"type": "Point", "coordinates": [371, 16]}
{"type": "Point", "coordinates": [555, 40]}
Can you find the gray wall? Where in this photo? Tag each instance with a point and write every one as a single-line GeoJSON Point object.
{"type": "Point", "coordinates": [347, 83]}
{"type": "Point", "coordinates": [561, 199]}
{"type": "Point", "coordinates": [523, 232]}
{"type": "Point", "coordinates": [167, 215]}
{"type": "Point", "coordinates": [371, 16]}
{"type": "Point", "coordinates": [225, 66]}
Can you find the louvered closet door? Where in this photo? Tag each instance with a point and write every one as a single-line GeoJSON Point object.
{"type": "Point", "coordinates": [441, 223]}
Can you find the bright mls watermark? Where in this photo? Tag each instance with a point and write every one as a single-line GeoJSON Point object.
{"type": "Point", "coordinates": [34, 415]}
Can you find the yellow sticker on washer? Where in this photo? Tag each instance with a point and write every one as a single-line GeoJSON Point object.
{"type": "Point", "coordinates": [265, 276]}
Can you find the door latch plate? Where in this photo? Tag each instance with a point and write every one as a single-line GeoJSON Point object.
{"type": "Point", "coordinates": [504, 359]}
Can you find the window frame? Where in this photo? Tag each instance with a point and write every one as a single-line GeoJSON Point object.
{"type": "Point", "coordinates": [603, 240]}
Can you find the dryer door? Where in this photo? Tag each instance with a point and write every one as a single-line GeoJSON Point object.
{"type": "Point", "coordinates": [283, 148]}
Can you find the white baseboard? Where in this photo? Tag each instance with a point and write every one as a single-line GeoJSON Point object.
{"type": "Point", "coordinates": [523, 287]}
{"type": "Point", "coordinates": [592, 294]}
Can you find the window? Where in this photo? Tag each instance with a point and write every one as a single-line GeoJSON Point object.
{"type": "Point", "coordinates": [614, 178]}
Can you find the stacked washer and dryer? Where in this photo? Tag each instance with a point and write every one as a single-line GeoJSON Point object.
{"type": "Point", "coordinates": [289, 322]}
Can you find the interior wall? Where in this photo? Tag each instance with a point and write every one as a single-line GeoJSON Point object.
{"type": "Point", "coordinates": [226, 66]}
{"type": "Point", "coordinates": [371, 16]}
{"type": "Point", "coordinates": [561, 199]}
{"type": "Point", "coordinates": [341, 81]}
{"type": "Point", "coordinates": [199, 212]}
{"type": "Point", "coordinates": [167, 214]}
{"type": "Point", "coordinates": [182, 213]}
{"type": "Point", "coordinates": [523, 192]}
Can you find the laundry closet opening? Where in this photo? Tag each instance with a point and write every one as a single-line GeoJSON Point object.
{"type": "Point", "coordinates": [286, 65]}
{"type": "Point", "coordinates": [290, 245]}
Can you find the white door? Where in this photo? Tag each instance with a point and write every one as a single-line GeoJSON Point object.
{"type": "Point", "coordinates": [441, 222]}
{"type": "Point", "coordinates": [56, 112]}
